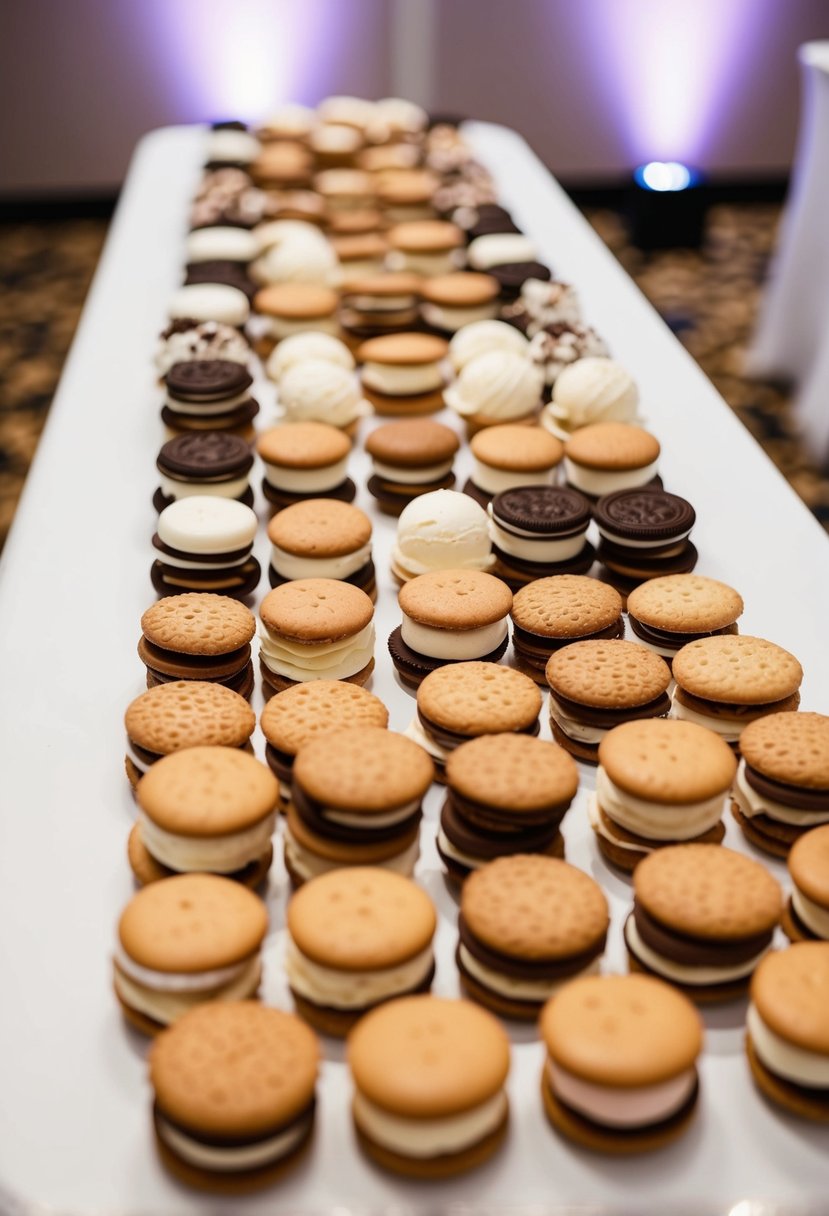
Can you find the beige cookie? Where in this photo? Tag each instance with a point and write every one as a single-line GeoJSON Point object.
{"type": "Point", "coordinates": [403, 349]}
{"type": "Point", "coordinates": [412, 443]}
{"type": "Point", "coordinates": [612, 446]}
{"type": "Point", "coordinates": [303, 445]}
{"type": "Point", "coordinates": [426, 236]}
{"type": "Point", "coordinates": [790, 990]}
{"type": "Point", "coordinates": [566, 606]}
{"type": "Point", "coordinates": [792, 748]}
{"type": "Point", "coordinates": [608, 674]}
{"type": "Point", "coordinates": [666, 761]}
{"type": "Point", "coordinates": [460, 289]}
{"type": "Point", "coordinates": [517, 448]}
{"type": "Point", "coordinates": [198, 624]}
{"type": "Point", "coordinates": [208, 792]}
{"type": "Point", "coordinates": [455, 599]}
{"type": "Point", "coordinates": [513, 772]}
{"type": "Point", "coordinates": [296, 301]}
{"type": "Point", "coordinates": [189, 713]}
{"type": "Point", "coordinates": [363, 768]}
{"type": "Point", "coordinates": [320, 528]}
{"type": "Point", "coordinates": [737, 669]}
{"type": "Point", "coordinates": [302, 713]}
{"type": "Point", "coordinates": [809, 865]}
{"type": "Point", "coordinates": [479, 699]}
{"type": "Point", "coordinates": [314, 610]}
{"type": "Point", "coordinates": [685, 603]}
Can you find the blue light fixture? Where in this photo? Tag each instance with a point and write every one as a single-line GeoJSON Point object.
{"type": "Point", "coordinates": [667, 205]}
{"type": "Point", "coordinates": [665, 175]}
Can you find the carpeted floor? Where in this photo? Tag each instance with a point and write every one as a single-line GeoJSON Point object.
{"type": "Point", "coordinates": [708, 297]}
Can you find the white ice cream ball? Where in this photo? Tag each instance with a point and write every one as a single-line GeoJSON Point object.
{"type": "Point", "coordinates": [591, 390]}
{"type": "Point", "coordinates": [483, 336]}
{"type": "Point", "coordinates": [443, 530]}
{"type": "Point", "coordinates": [319, 391]}
{"type": "Point", "coordinates": [301, 347]}
{"type": "Point", "coordinates": [499, 385]}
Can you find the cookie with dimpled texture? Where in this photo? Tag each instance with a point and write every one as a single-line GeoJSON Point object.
{"type": "Point", "coordinates": [511, 455]}
{"type": "Point", "coordinates": [419, 1064]}
{"type": "Point", "coordinates": [410, 457]}
{"type": "Point", "coordinates": [402, 374]}
{"type": "Point", "coordinates": [782, 784]}
{"type": "Point", "coordinates": [553, 612]}
{"type": "Point", "coordinates": [209, 395]}
{"type": "Point", "coordinates": [598, 685]}
{"type": "Point", "coordinates": [186, 713]}
{"type": "Point", "coordinates": [527, 925]}
{"type": "Point", "coordinates": [357, 937]}
{"type": "Point", "coordinates": [305, 460]}
{"type": "Point", "coordinates": [205, 543]}
{"type": "Point", "coordinates": [197, 636]}
{"type": "Point", "coordinates": [204, 462]}
{"type": "Point", "coordinates": [620, 1075]}
{"type": "Point", "coordinates": [806, 916]}
{"type": "Point", "coordinates": [644, 534]}
{"type": "Point", "coordinates": [234, 1095]}
{"type": "Point", "coordinates": [666, 613]}
{"type": "Point", "coordinates": [702, 918]}
{"type": "Point", "coordinates": [183, 941]}
{"type": "Point", "coordinates": [322, 538]}
{"type": "Point", "coordinates": [608, 456]}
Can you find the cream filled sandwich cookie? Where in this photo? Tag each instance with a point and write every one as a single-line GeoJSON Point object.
{"type": "Point", "coordinates": [609, 456]}
{"type": "Point", "coordinates": [411, 457]}
{"type": "Point", "coordinates": [404, 191]}
{"type": "Point", "coordinates": [205, 302]}
{"type": "Point", "coordinates": [591, 390]}
{"type": "Point", "coordinates": [205, 543]}
{"type": "Point", "coordinates": [621, 1069]}
{"type": "Point", "coordinates": [183, 941]}
{"type": "Point", "coordinates": [295, 308]}
{"type": "Point", "coordinates": [374, 305]}
{"type": "Point", "coordinates": [317, 390]}
{"type": "Point", "coordinates": [806, 917]}
{"type": "Point", "coordinates": [666, 613]}
{"type": "Point", "coordinates": [508, 456]}
{"type": "Point", "coordinates": [186, 339]}
{"type": "Point", "coordinates": [205, 809]}
{"type": "Point", "coordinates": [562, 343]}
{"type": "Point", "coordinates": [481, 337]}
{"type": "Point", "coordinates": [425, 247]}
{"type": "Point", "coordinates": [403, 373]}
{"type": "Point", "coordinates": [315, 629]}
{"type": "Point", "coordinates": [359, 255]}
{"type": "Point", "coordinates": [451, 301]}
{"type": "Point", "coordinates": [556, 611]}
{"type": "Point", "coordinates": [441, 530]}
{"type": "Point", "coordinates": [322, 538]}
{"type": "Point", "coordinates": [197, 636]}
{"type": "Point", "coordinates": [429, 1105]}
{"type": "Point", "coordinates": [204, 462]}
{"type": "Point", "coordinates": [305, 460]}
{"type": "Point", "coordinates": [494, 388]}
{"type": "Point", "coordinates": [228, 146]}
{"type": "Point", "coordinates": [357, 937]}
{"type": "Point", "coordinates": [539, 532]}
{"type": "Point", "coordinates": [209, 395]}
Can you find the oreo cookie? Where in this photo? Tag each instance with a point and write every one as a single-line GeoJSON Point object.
{"type": "Point", "coordinates": [206, 462]}
{"type": "Point", "coordinates": [644, 534]}
{"type": "Point", "coordinates": [540, 531]}
{"type": "Point", "coordinates": [208, 394]}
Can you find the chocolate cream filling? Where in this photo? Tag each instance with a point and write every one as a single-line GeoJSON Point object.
{"type": "Point", "coordinates": [671, 640]}
{"type": "Point", "coordinates": [198, 666]}
{"type": "Point", "coordinates": [499, 820]}
{"type": "Point", "coordinates": [215, 1141]}
{"type": "Point", "coordinates": [591, 715]}
{"type": "Point", "coordinates": [417, 665]}
{"type": "Point", "coordinates": [450, 739]}
{"type": "Point", "coordinates": [696, 951]}
{"type": "Point", "coordinates": [280, 763]}
{"type": "Point", "coordinates": [468, 838]}
{"type": "Point", "coordinates": [537, 647]}
{"type": "Point", "coordinates": [798, 797]}
{"type": "Point", "coordinates": [529, 969]}
{"type": "Point", "coordinates": [310, 812]}
{"type": "Point", "coordinates": [206, 559]}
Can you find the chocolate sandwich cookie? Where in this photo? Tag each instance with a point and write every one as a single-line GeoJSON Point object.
{"type": "Point", "coordinates": [356, 800]}
{"type": "Point", "coordinates": [553, 612]}
{"type": "Point", "coordinates": [197, 636]}
{"type": "Point", "coordinates": [208, 809]}
{"type": "Point", "coordinates": [429, 1105]}
{"type": "Point", "coordinates": [539, 532]}
{"type": "Point", "coordinates": [659, 782]}
{"type": "Point", "coordinates": [183, 941]}
{"type": "Point", "coordinates": [461, 701]}
{"type": "Point", "coordinates": [449, 616]}
{"type": "Point", "coordinates": [527, 925]}
{"type": "Point", "coordinates": [322, 538]}
{"type": "Point", "coordinates": [806, 917]}
{"type": "Point", "coordinates": [305, 460]}
{"type": "Point", "coordinates": [204, 462]}
{"type": "Point", "coordinates": [667, 613]}
{"type": "Point", "coordinates": [620, 1075]}
{"type": "Point", "coordinates": [492, 250]}
{"type": "Point", "coordinates": [209, 395]}
{"type": "Point", "coordinates": [186, 713]}
{"type": "Point", "coordinates": [597, 685]}
{"type": "Point", "coordinates": [781, 790]}
{"type": "Point", "coordinates": [450, 301]}
{"type": "Point", "coordinates": [403, 373]}
{"type": "Point", "coordinates": [425, 247]}
{"type": "Point", "coordinates": [230, 145]}
{"type": "Point", "coordinates": [644, 534]}
{"type": "Point", "coordinates": [609, 456]}
{"type": "Point", "coordinates": [507, 794]}
{"type": "Point", "coordinates": [315, 629]}
{"type": "Point", "coordinates": [233, 1087]}
{"type": "Point", "coordinates": [307, 711]}
{"type": "Point", "coordinates": [356, 938]}
{"type": "Point", "coordinates": [227, 198]}
{"type": "Point", "coordinates": [703, 917]}
{"type": "Point", "coordinates": [205, 543]}
{"type": "Point", "coordinates": [787, 1040]}
{"type": "Point", "coordinates": [492, 216]}
{"type": "Point", "coordinates": [221, 254]}
{"type": "Point", "coordinates": [200, 302]}
{"type": "Point", "coordinates": [295, 308]}
{"type": "Point", "coordinates": [378, 304]}
{"type": "Point", "coordinates": [186, 340]}
{"type": "Point", "coordinates": [411, 457]}
{"type": "Point", "coordinates": [510, 455]}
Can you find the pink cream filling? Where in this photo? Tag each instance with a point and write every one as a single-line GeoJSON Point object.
{"type": "Point", "coordinates": [610, 1106]}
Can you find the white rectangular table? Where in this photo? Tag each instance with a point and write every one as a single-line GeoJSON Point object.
{"type": "Point", "coordinates": [75, 1133]}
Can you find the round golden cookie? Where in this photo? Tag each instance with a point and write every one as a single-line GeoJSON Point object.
{"type": "Point", "coordinates": [314, 610]}
{"type": "Point", "coordinates": [534, 907]}
{"type": "Point", "coordinates": [614, 446]}
{"type": "Point", "coordinates": [409, 406]}
{"type": "Point", "coordinates": [513, 772]}
{"type": "Point", "coordinates": [196, 623]}
{"type": "Point", "coordinates": [402, 186]}
{"type": "Point", "coordinates": [207, 792]}
{"type": "Point", "coordinates": [706, 891]}
{"type": "Point", "coordinates": [685, 603]}
{"type": "Point", "coordinates": [302, 713]}
{"type": "Point", "coordinates": [403, 349]}
{"type": "Point", "coordinates": [474, 698]}
{"type": "Point", "coordinates": [147, 869]}
{"type": "Point", "coordinates": [426, 1057]}
{"type": "Point", "coordinates": [361, 919]}
{"type": "Point", "coordinates": [460, 289]}
{"type": "Point", "coordinates": [737, 669]}
{"type": "Point", "coordinates": [790, 989]}
{"type": "Point", "coordinates": [566, 606]}
{"type": "Point", "coordinates": [296, 301]}
{"type": "Point", "coordinates": [320, 527]}
{"type": "Point", "coordinates": [809, 865]}
{"type": "Point", "coordinates": [393, 283]}
{"type": "Point", "coordinates": [665, 760]}
{"type": "Point", "coordinates": [455, 599]}
{"type": "Point", "coordinates": [608, 674]}
{"type": "Point", "coordinates": [358, 220]}
{"type": "Point", "coordinates": [412, 443]}
{"type": "Point", "coordinates": [517, 448]}
{"type": "Point", "coordinates": [792, 748]}
{"type": "Point", "coordinates": [363, 768]}
{"type": "Point", "coordinates": [426, 236]}
{"type": "Point", "coordinates": [359, 247]}
{"type": "Point", "coordinates": [189, 713]}
{"type": "Point", "coordinates": [621, 1030]}
{"type": "Point", "coordinates": [191, 923]}
{"type": "Point", "coordinates": [303, 445]}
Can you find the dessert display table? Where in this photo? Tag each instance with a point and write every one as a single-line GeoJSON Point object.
{"type": "Point", "coordinates": [75, 1129]}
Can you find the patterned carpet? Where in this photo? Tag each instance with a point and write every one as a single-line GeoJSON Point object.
{"type": "Point", "coordinates": [708, 297]}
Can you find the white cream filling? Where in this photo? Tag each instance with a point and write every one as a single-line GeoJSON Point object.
{"type": "Point", "coordinates": [442, 316]}
{"type": "Point", "coordinates": [385, 820]}
{"type": "Point", "coordinates": [447, 559]}
{"type": "Point", "coordinates": [453, 643]}
{"type": "Point", "coordinates": [752, 803]}
{"type": "Point", "coordinates": [140, 764]}
{"type": "Point", "coordinates": [538, 549]}
{"type": "Point", "coordinates": [573, 729]}
{"type": "Point", "coordinates": [683, 973]}
{"type": "Point", "coordinates": [500, 249]}
{"type": "Point", "coordinates": [621, 1106]}
{"type": "Point", "coordinates": [402, 380]}
{"type": "Point", "coordinates": [306, 481]}
{"type": "Point", "coordinates": [675, 543]}
{"type": "Point", "coordinates": [322, 661]}
{"type": "Point", "coordinates": [728, 729]}
{"type": "Point", "coordinates": [465, 859]}
{"type": "Point", "coordinates": [184, 564]}
{"type": "Point", "coordinates": [165, 1007]}
{"type": "Point", "coordinates": [178, 981]}
{"type": "Point", "coordinates": [429, 1137]}
{"type": "Point", "coordinates": [604, 481]}
{"type": "Point", "coordinates": [172, 488]}
{"type": "Point", "coordinates": [227, 1160]}
{"type": "Point", "coordinates": [284, 327]}
{"type": "Point", "coordinates": [353, 989]}
{"type": "Point", "coordinates": [515, 989]}
{"type": "Point", "coordinates": [417, 734]}
{"type": "Point", "coordinates": [797, 1064]}
{"type": "Point", "coordinates": [309, 865]}
{"type": "Point", "coordinates": [494, 481]}
{"type": "Point", "coordinates": [657, 820]}
{"type": "Point", "coordinates": [290, 565]}
{"type": "Point", "coordinates": [412, 477]}
{"type": "Point", "coordinates": [427, 264]}
{"type": "Point", "coordinates": [598, 826]}
{"type": "Point", "coordinates": [814, 917]}
{"type": "Point", "coordinates": [206, 407]}
{"type": "Point", "coordinates": [215, 854]}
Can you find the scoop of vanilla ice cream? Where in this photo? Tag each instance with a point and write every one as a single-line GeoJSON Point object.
{"type": "Point", "coordinates": [312, 345]}
{"type": "Point", "coordinates": [499, 384]}
{"type": "Point", "coordinates": [298, 259]}
{"type": "Point", "coordinates": [443, 530]}
{"type": "Point", "coordinates": [276, 232]}
{"type": "Point", "coordinates": [591, 390]}
{"type": "Point", "coordinates": [483, 336]}
{"type": "Point", "coordinates": [320, 391]}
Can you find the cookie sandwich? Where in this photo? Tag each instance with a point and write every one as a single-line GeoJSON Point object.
{"type": "Point", "coordinates": [205, 544]}
{"type": "Point", "coordinates": [403, 374]}
{"type": "Point", "coordinates": [317, 390]}
{"type": "Point", "coordinates": [186, 339]}
{"type": "Point", "coordinates": [295, 308]}
{"type": "Point", "coordinates": [322, 538]}
{"type": "Point", "coordinates": [510, 455]}
{"type": "Point", "coordinates": [209, 395]}
{"type": "Point", "coordinates": [496, 387]}
{"type": "Point", "coordinates": [305, 460]}
{"type": "Point", "coordinates": [206, 302]}
{"type": "Point", "coordinates": [483, 336]}
{"type": "Point", "coordinates": [425, 247]}
{"type": "Point", "coordinates": [644, 534]}
{"type": "Point", "coordinates": [539, 532]}
{"type": "Point", "coordinates": [608, 456]}
{"type": "Point", "coordinates": [376, 305]}
{"type": "Point", "coordinates": [204, 462]}
{"type": "Point", "coordinates": [410, 457]}
{"type": "Point", "coordinates": [309, 345]}
{"type": "Point", "coordinates": [593, 389]}
{"type": "Point", "coordinates": [806, 917]}
{"type": "Point", "coordinates": [197, 636]}
{"type": "Point", "coordinates": [450, 301]}
{"type": "Point", "coordinates": [667, 613]}
{"type": "Point", "coordinates": [553, 612]}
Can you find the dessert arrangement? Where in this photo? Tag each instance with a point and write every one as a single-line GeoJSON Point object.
{"type": "Point", "coordinates": [349, 262]}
